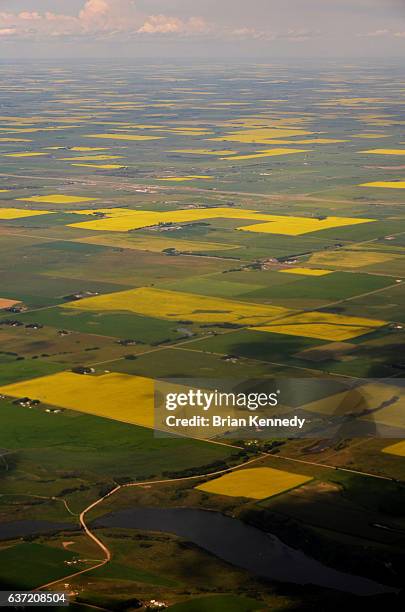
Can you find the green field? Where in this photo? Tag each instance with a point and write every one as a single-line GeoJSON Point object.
{"type": "Point", "coordinates": [219, 603]}
{"type": "Point", "coordinates": [27, 566]}
{"type": "Point", "coordinates": [118, 325]}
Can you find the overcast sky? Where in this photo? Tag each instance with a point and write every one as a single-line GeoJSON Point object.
{"type": "Point", "coordinates": [202, 28]}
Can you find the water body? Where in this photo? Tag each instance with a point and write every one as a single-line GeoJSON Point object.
{"type": "Point", "coordinates": [20, 529]}
{"type": "Point", "coordinates": [242, 545]}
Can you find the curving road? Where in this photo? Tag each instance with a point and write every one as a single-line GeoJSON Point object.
{"type": "Point", "coordinates": [107, 555]}
{"type": "Point", "coordinates": [104, 549]}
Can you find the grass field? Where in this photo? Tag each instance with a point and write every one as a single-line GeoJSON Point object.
{"type": "Point", "coordinates": [323, 326]}
{"type": "Point", "coordinates": [27, 566]}
{"type": "Point", "coordinates": [218, 603]}
{"type": "Point", "coordinates": [389, 303]}
{"type": "Point", "coordinates": [256, 483]}
{"type": "Point", "coordinates": [256, 345]}
{"type": "Point", "coordinates": [155, 244]}
{"type": "Point", "coordinates": [115, 571]}
{"type": "Point", "coordinates": [350, 259]}
{"type": "Point", "coordinates": [14, 370]}
{"type": "Point", "coordinates": [142, 329]}
{"type": "Point", "coordinates": [89, 450]}
{"type": "Point", "coordinates": [314, 291]}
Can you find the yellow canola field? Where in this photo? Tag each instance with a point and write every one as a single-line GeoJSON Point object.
{"type": "Point", "coordinates": [363, 398]}
{"type": "Point", "coordinates": [184, 132]}
{"type": "Point", "coordinates": [24, 154]}
{"type": "Point", "coordinates": [296, 226]}
{"type": "Point", "coordinates": [57, 199]}
{"type": "Point", "coordinates": [91, 158]}
{"type": "Point", "coordinates": [176, 305]}
{"type": "Point", "coordinates": [307, 271]}
{"type": "Point", "coordinates": [19, 131]}
{"type": "Point", "coordinates": [123, 136]}
{"type": "Point", "coordinates": [121, 397]}
{"type": "Point", "coordinates": [255, 483]}
{"type": "Point", "coordinates": [397, 449]}
{"type": "Point", "coordinates": [124, 220]}
{"type": "Point", "coordinates": [135, 126]}
{"type": "Point", "coordinates": [180, 179]}
{"type": "Point", "coordinates": [390, 400]}
{"type": "Point", "coordinates": [38, 129]}
{"type": "Point", "coordinates": [370, 136]}
{"type": "Point", "coordinates": [385, 184]}
{"type": "Point", "coordinates": [15, 140]}
{"type": "Point", "coordinates": [308, 141]}
{"type": "Point", "coordinates": [263, 121]}
{"type": "Point", "coordinates": [321, 141]}
{"type": "Point", "coordinates": [100, 166]}
{"type": "Point", "coordinates": [22, 119]}
{"type": "Point", "coordinates": [203, 152]}
{"type": "Point", "coordinates": [18, 213]}
{"type": "Point", "coordinates": [322, 326]}
{"type": "Point", "coordinates": [88, 149]}
{"type": "Point", "coordinates": [385, 151]}
{"type": "Point", "coordinates": [261, 136]}
{"type": "Point", "coordinates": [352, 102]}
{"type": "Point", "coordinates": [267, 153]}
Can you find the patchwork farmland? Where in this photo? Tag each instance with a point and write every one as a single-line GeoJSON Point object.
{"type": "Point", "coordinates": [205, 224]}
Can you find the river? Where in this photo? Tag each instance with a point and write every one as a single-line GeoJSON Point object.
{"type": "Point", "coordinates": [242, 545]}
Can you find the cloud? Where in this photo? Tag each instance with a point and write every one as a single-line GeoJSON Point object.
{"type": "Point", "coordinates": [7, 31]}
{"type": "Point", "coordinates": [93, 9]}
{"type": "Point", "coordinates": [375, 34]}
{"type": "Point", "coordinates": [162, 24]}
{"type": "Point", "coordinates": [252, 33]}
{"type": "Point", "coordinates": [258, 22]}
{"type": "Point", "coordinates": [95, 16]}
{"type": "Point", "coordinates": [99, 16]}
{"type": "Point", "coordinates": [27, 16]}
{"type": "Point", "coordinates": [299, 35]}
{"type": "Point", "coordinates": [118, 15]}
{"type": "Point", "coordinates": [383, 33]}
